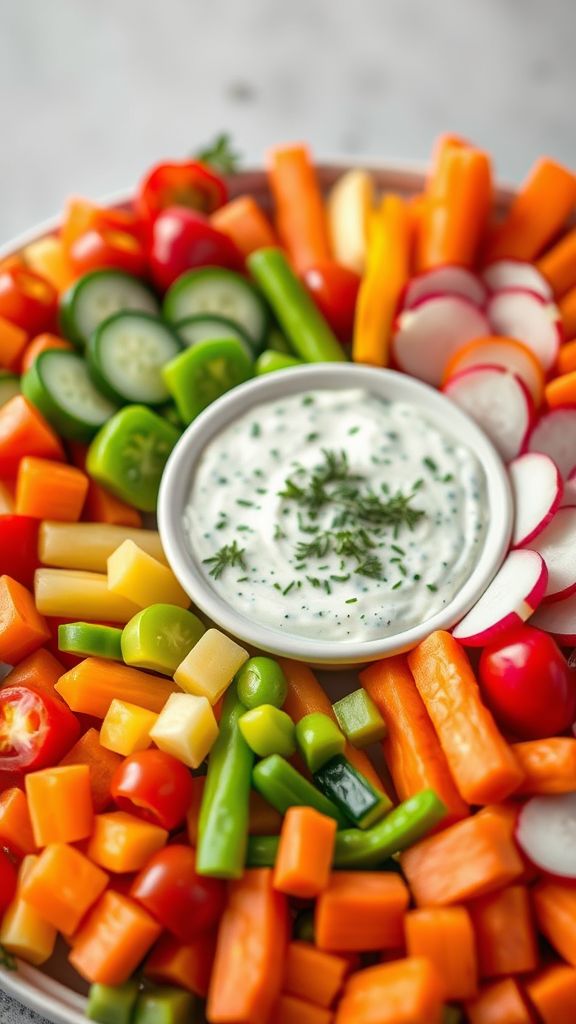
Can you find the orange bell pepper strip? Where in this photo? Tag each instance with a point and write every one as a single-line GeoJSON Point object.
{"type": "Point", "coordinates": [13, 342]}
{"type": "Point", "coordinates": [122, 842]}
{"type": "Point", "coordinates": [312, 974]}
{"type": "Point", "coordinates": [48, 490]}
{"type": "Point", "coordinates": [553, 993]}
{"type": "Point", "coordinates": [60, 804]}
{"type": "Point", "coordinates": [412, 750]}
{"type": "Point", "coordinates": [113, 940]}
{"type": "Point", "coordinates": [567, 307]}
{"type": "Point", "coordinates": [15, 825]}
{"type": "Point", "coordinates": [62, 886]}
{"type": "Point", "coordinates": [482, 764]}
{"type": "Point", "coordinates": [360, 911]}
{"type": "Point", "coordinates": [543, 203]}
{"type": "Point", "coordinates": [505, 935]}
{"type": "Point", "coordinates": [245, 222]}
{"type": "Point", "coordinates": [42, 343]}
{"type": "Point", "coordinates": [305, 852]}
{"type": "Point", "coordinates": [301, 221]}
{"type": "Point", "coordinates": [438, 874]}
{"type": "Point", "coordinates": [555, 908]}
{"type": "Point", "coordinates": [23, 431]}
{"type": "Point", "coordinates": [444, 936]}
{"type": "Point", "coordinates": [549, 765]}
{"type": "Point", "coordinates": [290, 1010]}
{"type": "Point", "coordinates": [566, 361]}
{"type": "Point", "coordinates": [500, 1003]}
{"type": "Point", "coordinates": [186, 966]}
{"type": "Point", "coordinates": [558, 265]}
{"type": "Point", "coordinates": [407, 991]}
{"type": "Point", "coordinates": [385, 275]}
{"type": "Point", "coordinates": [22, 629]}
{"type": "Point", "coordinates": [40, 670]}
{"type": "Point", "coordinates": [458, 201]}
{"type": "Point", "coordinates": [91, 686]}
{"type": "Point", "coordinates": [101, 762]}
{"type": "Point", "coordinates": [250, 952]}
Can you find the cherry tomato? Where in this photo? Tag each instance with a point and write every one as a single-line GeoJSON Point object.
{"type": "Point", "coordinates": [528, 683]}
{"type": "Point", "coordinates": [27, 299]}
{"type": "Point", "coordinates": [334, 290]}
{"type": "Point", "coordinates": [36, 730]}
{"type": "Point", "coordinates": [185, 183]}
{"type": "Point", "coordinates": [8, 880]}
{"type": "Point", "coordinates": [154, 786]}
{"type": "Point", "coordinates": [182, 239]}
{"type": "Point", "coordinates": [108, 247]}
{"type": "Point", "coordinates": [182, 901]}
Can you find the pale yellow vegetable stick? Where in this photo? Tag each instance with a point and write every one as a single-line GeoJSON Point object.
{"type": "Point", "coordinates": [23, 932]}
{"type": "Point", "coordinates": [137, 576]}
{"type": "Point", "coordinates": [349, 204]}
{"type": "Point", "coordinates": [126, 728]}
{"type": "Point", "coordinates": [89, 545]}
{"type": "Point", "coordinates": [186, 728]}
{"type": "Point", "coordinates": [210, 666]}
{"type": "Point", "coordinates": [74, 594]}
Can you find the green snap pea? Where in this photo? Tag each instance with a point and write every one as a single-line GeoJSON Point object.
{"type": "Point", "coordinates": [359, 718]}
{"type": "Point", "coordinates": [261, 681]}
{"type": "Point", "coordinates": [87, 640]}
{"type": "Point", "coordinates": [284, 787]}
{"type": "Point", "coordinates": [319, 739]}
{"type": "Point", "coordinates": [159, 637]}
{"type": "Point", "coordinates": [165, 1004]}
{"type": "Point", "coordinates": [112, 1004]}
{"type": "Point", "coordinates": [270, 361]}
{"type": "Point", "coordinates": [267, 730]}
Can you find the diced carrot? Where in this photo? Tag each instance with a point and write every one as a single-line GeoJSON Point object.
{"type": "Point", "coordinates": [48, 490]}
{"type": "Point", "coordinates": [549, 765]}
{"type": "Point", "coordinates": [412, 750]}
{"type": "Point", "coordinates": [553, 993]}
{"type": "Point", "coordinates": [48, 258]}
{"type": "Point", "coordinates": [94, 683]}
{"type": "Point", "coordinates": [483, 765]}
{"type": "Point", "coordinates": [407, 991]}
{"type": "Point", "coordinates": [264, 819]}
{"type": "Point", "coordinates": [23, 431]}
{"type": "Point", "coordinates": [250, 952]}
{"type": "Point", "coordinates": [507, 814]}
{"type": "Point", "coordinates": [361, 910]}
{"type": "Point", "coordinates": [189, 966]}
{"type": "Point", "coordinates": [22, 931]}
{"type": "Point", "coordinates": [561, 390]}
{"type": "Point", "coordinates": [538, 212]}
{"type": "Point", "coordinates": [13, 342]}
{"type": "Point", "coordinates": [500, 1003]}
{"type": "Point", "coordinates": [290, 1010]}
{"type": "Point", "coordinates": [103, 507]}
{"type": "Point", "coordinates": [438, 873]}
{"type": "Point", "coordinates": [245, 222]}
{"type": "Point", "coordinates": [305, 852]}
{"type": "Point", "coordinates": [555, 907]}
{"type": "Point", "coordinates": [15, 825]}
{"type": "Point", "coordinates": [313, 974]}
{"type": "Point", "coordinates": [22, 629]}
{"type": "Point", "coordinates": [62, 886]}
{"type": "Point", "coordinates": [444, 936]}
{"type": "Point", "coordinates": [505, 935]}
{"type": "Point", "coordinates": [122, 842]}
{"type": "Point", "coordinates": [567, 307]}
{"type": "Point", "coordinates": [566, 361]}
{"type": "Point", "coordinates": [558, 265]}
{"type": "Point", "coordinates": [40, 670]}
{"type": "Point", "coordinates": [42, 343]}
{"type": "Point", "coordinates": [60, 804]}
{"type": "Point", "coordinates": [300, 216]}
{"type": "Point", "coordinates": [114, 939]}
{"type": "Point", "coordinates": [101, 762]}
{"type": "Point", "coordinates": [458, 200]}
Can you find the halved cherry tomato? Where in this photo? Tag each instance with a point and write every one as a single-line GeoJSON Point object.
{"type": "Point", "coordinates": [186, 183]}
{"type": "Point", "coordinates": [182, 901]}
{"type": "Point", "coordinates": [36, 730]}
{"type": "Point", "coordinates": [80, 216]}
{"type": "Point", "coordinates": [8, 880]}
{"type": "Point", "coordinates": [334, 289]}
{"type": "Point", "coordinates": [27, 299]}
{"type": "Point", "coordinates": [154, 786]}
{"type": "Point", "coordinates": [108, 247]}
{"type": "Point", "coordinates": [182, 239]}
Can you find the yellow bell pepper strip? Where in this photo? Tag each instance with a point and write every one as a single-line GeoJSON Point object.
{"type": "Point", "coordinates": [60, 804]}
{"type": "Point", "coordinates": [76, 594]}
{"type": "Point", "coordinates": [186, 728]}
{"type": "Point", "coordinates": [126, 728]}
{"type": "Point", "coordinates": [387, 271]}
{"type": "Point", "coordinates": [90, 687]}
{"type": "Point", "coordinates": [141, 579]}
{"type": "Point", "coordinates": [62, 886]}
{"type": "Point", "coordinates": [211, 665]}
{"type": "Point", "coordinates": [23, 932]}
{"type": "Point", "coordinates": [350, 203]}
{"type": "Point", "coordinates": [89, 545]}
{"type": "Point", "coordinates": [121, 842]}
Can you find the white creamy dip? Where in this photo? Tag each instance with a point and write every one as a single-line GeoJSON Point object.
{"type": "Point", "coordinates": [337, 515]}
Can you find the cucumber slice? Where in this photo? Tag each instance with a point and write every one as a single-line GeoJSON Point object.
{"type": "Point", "coordinates": [126, 354]}
{"type": "Point", "coordinates": [219, 291]}
{"type": "Point", "coordinates": [9, 386]}
{"type": "Point", "coordinates": [204, 372]}
{"type": "Point", "coordinates": [210, 327]}
{"type": "Point", "coordinates": [59, 385]}
{"type": "Point", "coordinates": [98, 295]}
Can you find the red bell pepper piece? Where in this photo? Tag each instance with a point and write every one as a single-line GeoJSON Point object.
{"type": "Point", "coordinates": [19, 548]}
{"type": "Point", "coordinates": [187, 183]}
{"type": "Point", "coordinates": [27, 299]}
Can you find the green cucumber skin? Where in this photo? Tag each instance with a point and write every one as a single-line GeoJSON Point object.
{"type": "Point", "coordinates": [183, 283]}
{"type": "Point", "coordinates": [67, 426]}
{"type": "Point", "coordinates": [94, 361]}
{"type": "Point", "coordinates": [67, 311]}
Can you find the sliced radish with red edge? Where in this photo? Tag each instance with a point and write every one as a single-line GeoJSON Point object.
{"type": "Point", "coordinates": [446, 280]}
{"type": "Point", "coordinates": [558, 619]}
{"type": "Point", "coordinates": [537, 489]}
{"type": "Point", "coordinates": [429, 333]}
{"type": "Point", "coordinates": [546, 833]}
{"type": "Point", "coordinates": [511, 598]}
{"type": "Point", "coordinates": [499, 402]}
{"type": "Point", "coordinates": [526, 316]}
{"type": "Point", "coordinates": [505, 352]}
{"type": "Point", "coordinates": [505, 274]}
{"type": "Point", "coordinates": [557, 545]}
{"type": "Point", "coordinates": [555, 435]}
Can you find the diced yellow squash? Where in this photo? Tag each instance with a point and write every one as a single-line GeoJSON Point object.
{"type": "Point", "coordinates": [126, 728]}
{"type": "Point", "coordinates": [186, 728]}
{"type": "Point", "coordinates": [48, 258]}
{"type": "Point", "coordinates": [137, 576]}
{"type": "Point", "coordinates": [23, 932]}
{"type": "Point", "coordinates": [349, 204]}
{"type": "Point", "coordinates": [211, 665]}
{"type": "Point", "coordinates": [75, 594]}
{"type": "Point", "coordinates": [89, 545]}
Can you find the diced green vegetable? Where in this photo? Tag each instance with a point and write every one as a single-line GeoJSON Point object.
{"type": "Point", "coordinates": [270, 362]}
{"type": "Point", "coordinates": [112, 1004]}
{"type": "Point", "coordinates": [215, 290]}
{"type": "Point", "coordinates": [304, 926]}
{"type": "Point", "coordinates": [9, 386]}
{"type": "Point", "coordinates": [261, 680]}
{"type": "Point", "coordinates": [98, 295]}
{"type": "Point", "coordinates": [283, 787]}
{"type": "Point", "coordinates": [201, 374]}
{"type": "Point", "coordinates": [359, 718]}
{"type": "Point", "coordinates": [87, 639]}
{"type": "Point", "coordinates": [351, 791]}
{"type": "Point", "coordinates": [59, 385]}
{"type": "Point", "coordinates": [319, 739]}
{"type": "Point", "coordinates": [126, 354]}
{"type": "Point", "coordinates": [165, 1004]}
{"type": "Point", "coordinates": [267, 730]}
{"type": "Point", "coordinates": [159, 637]}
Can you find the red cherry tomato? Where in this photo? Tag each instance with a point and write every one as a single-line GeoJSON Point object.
{"type": "Point", "coordinates": [36, 730]}
{"type": "Point", "coordinates": [27, 299]}
{"type": "Point", "coordinates": [154, 786]}
{"type": "Point", "coordinates": [528, 684]}
{"type": "Point", "coordinates": [334, 290]}
{"type": "Point", "coordinates": [108, 247]}
{"type": "Point", "coordinates": [8, 880]}
{"type": "Point", "coordinates": [183, 239]}
{"type": "Point", "coordinates": [182, 901]}
{"type": "Point", "coordinates": [185, 183]}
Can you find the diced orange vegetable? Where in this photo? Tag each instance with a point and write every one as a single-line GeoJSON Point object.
{"type": "Point", "coordinates": [60, 804]}
{"type": "Point", "coordinates": [458, 200]}
{"type": "Point", "coordinates": [538, 212]}
{"type": "Point", "coordinates": [313, 974]}
{"type": "Point", "coordinates": [444, 936]}
{"type": "Point", "coordinates": [561, 390]}
{"type": "Point", "coordinates": [567, 307]}
{"type": "Point", "coordinates": [300, 216]}
{"type": "Point", "coordinates": [13, 342]}
{"type": "Point", "coordinates": [558, 265]}
{"type": "Point", "coordinates": [81, 215]}
{"type": "Point", "coordinates": [62, 886]}
{"type": "Point", "coordinates": [504, 929]}
{"type": "Point", "coordinates": [48, 258]}
{"type": "Point", "coordinates": [290, 1010]}
{"type": "Point", "coordinates": [48, 490]}
{"type": "Point", "coordinates": [22, 931]}
{"type": "Point", "coordinates": [7, 489]}
{"type": "Point", "coordinates": [103, 507]}
{"type": "Point", "coordinates": [264, 819]}
{"type": "Point", "coordinates": [549, 765]}
{"type": "Point", "coordinates": [102, 764]}
{"type": "Point", "coordinates": [40, 670]}
{"type": "Point", "coordinates": [553, 993]}
{"type": "Point", "coordinates": [507, 814]}
{"type": "Point", "coordinates": [250, 952]}
{"type": "Point", "coordinates": [483, 765]}
{"type": "Point", "coordinates": [22, 629]}
{"type": "Point", "coordinates": [245, 222]}
{"type": "Point", "coordinates": [121, 842]}
{"type": "Point", "coordinates": [42, 343]}
{"type": "Point", "coordinates": [94, 683]}
{"type": "Point", "coordinates": [412, 750]}
{"type": "Point", "coordinates": [305, 852]}
{"type": "Point", "coordinates": [23, 431]}
{"type": "Point", "coordinates": [555, 907]}
{"type": "Point", "coordinates": [189, 966]}
{"type": "Point", "coordinates": [405, 991]}
{"type": "Point", "coordinates": [361, 910]}
{"type": "Point", "coordinates": [15, 825]}
{"type": "Point", "coordinates": [438, 873]}
{"type": "Point", "coordinates": [566, 361]}
{"type": "Point", "coordinates": [501, 1003]}
{"type": "Point", "coordinates": [113, 940]}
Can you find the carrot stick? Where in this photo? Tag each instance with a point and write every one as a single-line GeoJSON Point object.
{"type": "Point", "coordinates": [23, 431]}
{"type": "Point", "coordinates": [438, 872]}
{"type": "Point", "coordinates": [361, 910]}
{"type": "Point", "coordinates": [567, 307]}
{"type": "Point", "coordinates": [48, 490]}
{"type": "Point", "coordinates": [543, 203]}
{"type": "Point", "coordinates": [549, 765]}
{"type": "Point", "coordinates": [458, 200]}
{"type": "Point", "coordinates": [15, 825]}
{"type": "Point", "coordinates": [40, 670]}
{"type": "Point", "coordinates": [558, 265]}
{"type": "Point", "coordinates": [501, 1003]}
{"type": "Point", "coordinates": [566, 361]}
{"type": "Point", "coordinates": [561, 390]}
{"type": "Point", "coordinates": [290, 1010]}
{"type": "Point", "coordinates": [413, 753]}
{"type": "Point", "coordinates": [189, 966]}
{"type": "Point", "coordinates": [13, 342]}
{"type": "Point", "coordinates": [407, 991]}
{"type": "Point", "coordinates": [250, 952]}
{"type": "Point", "coordinates": [300, 216]}
{"type": "Point", "coordinates": [555, 907]}
{"type": "Point", "coordinates": [23, 629]}
{"type": "Point", "coordinates": [483, 765]}
{"type": "Point", "coordinates": [245, 222]}
{"type": "Point", "coordinates": [60, 804]}
{"type": "Point", "coordinates": [113, 940]}
{"type": "Point", "coordinates": [444, 936]}
{"type": "Point", "coordinates": [62, 886]}
{"type": "Point", "coordinates": [507, 814]}
{"type": "Point", "coordinates": [504, 929]}
{"type": "Point", "coordinates": [442, 142]}
{"type": "Point", "coordinates": [94, 683]}
{"type": "Point", "coordinates": [312, 974]}
{"type": "Point", "coordinates": [553, 993]}
{"type": "Point", "coordinates": [101, 762]}
{"type": "Point", "coordinates": [305, 852]}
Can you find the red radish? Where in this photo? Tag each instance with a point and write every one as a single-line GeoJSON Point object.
{"type": "Point", "coordinates": [555, 435]}
{"type": "Point", "coordinates": [506, 352]}
{"type": "Point", "coordinates": [557, 545]}
{"type": "Point", "coordinates": [537, 488]}
{"type": "Point", "coordinates": [569, 497]}
{"type": "Point", "coordinates": [546, 833]}
{"type": "Point", "coordinates": [511, 598]}
{"type": "Point", "coordinates": [559, 619]}
{"type": "Point", "coordinates": [429, 333]}
{"type": "Point", "coordinates": [504, 274]}
{"type": "Point", "coordinates": [446, 280]}
{"type": "Point", "coordinates": [526, 316]}
{"type": "Point", "coordinates": [499, 402]}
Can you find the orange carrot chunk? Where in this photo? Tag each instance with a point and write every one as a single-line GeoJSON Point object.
{"type": "Point", "coordinates": [113, 940]}
{"type": "Point", "coordinates": [505, 935]}
{"type": "Point", "coordinates": [290, 1010]}
{"type": "Point", "coordinates": [555, 907]}
{"type": "Point", "coordinates": [22, 629]}
{"type": "Point", "coordinates": [15, 825]}
{"type": "Point", "coordinates": [101, 762]}
{"type": "Point", "coordinates": [40, 670]}
{"type": "Point", "coordinates": [300, 216]}
{"type": "Point", "coordinates": [549, 765]}
{"type": "Point", "coordinates": [48, 490]}
{"type": "Point", "coordinates": [538, 212]}
{"type": "Point", "coordinates": [567, 307]}
{"type": "Point", "coordinates": [407, 991]}
{"type": "Point", "coordinates": [62, 886]}
{"type": "Point", "coordinates": [458, 199]}
{"type": "Point", "coordinates": [187, 966]}
{"type": "Point", "coordinates": [444, 935]}
{"type": "Point", "coordinates": [566, 361]}
{"type": "Point", "coordinates": [361, 910]}
{"type": "Point", "coordinates": [312, 974]}
{"type": "Point", "coordinates": [558, 265]}
{"type": "Point", "coordinates": [102, 507]}
{"type": "Point", "coordinates": [23, 431]}
{"type": "Point", "coordinates": [245, 222]}
{"type": "Point", "coordinates": [561, 390]}
{"type": "Point", "coordinates": [305, 852]}
{"type": "Point", "coordinates": [60, 804]}
{"type": "Point", "coordinates": [553, 993]}
{"type": "Point", "coordinates": [13, 342]}
{"type": "Point", "coordinates": [500, 1003]}
{"type": "Point", "coordinates": [483, 765]}
{"type": "Point", "coordinates": [91, 686]}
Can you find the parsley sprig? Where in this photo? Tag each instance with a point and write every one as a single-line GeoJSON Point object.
{"type": "Point", "coordinates": [229, 556]}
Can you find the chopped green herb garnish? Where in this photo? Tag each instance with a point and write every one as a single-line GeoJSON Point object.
{"type": "Point", "coordinates": [279, 533]}
{"type": "Point", "coordinates": [430, 464]}
{"type": "Point", "coordinates": [220, 155]}
{"type": "Point", "coordinates": [255, 430]}
{"type": "Point", "coordinates": [227, 556]}
{"type": "Point", "coordinates": [288, 588]}
{"type": "Point", "coordinates": [432, 587]}
{"type": "Point", "coordinates": [397, 585]}
{"type": "Point", "coordinates": [351, 600]}
{"type": "Point", "coordinates": [244, 503]}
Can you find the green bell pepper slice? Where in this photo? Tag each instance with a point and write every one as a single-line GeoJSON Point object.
{"type": "Point", "coordinates": [88, 639]}
{"type": "Point", "coordinates": [270, 361]}
{"type": "Point", "coordinates": [201, 374]}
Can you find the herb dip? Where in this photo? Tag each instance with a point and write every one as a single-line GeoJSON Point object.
{"type": "Point", "coordinates": [337, 515]}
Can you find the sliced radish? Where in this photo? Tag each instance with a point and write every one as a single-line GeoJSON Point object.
{"type": "Point", "coordinates": [429, 333]}
{"type": "Point", "coordinates": [506, 352]}
{"type": "Point", "coordinates": [526, 316]}
{"type": "Point", "coordinates": [505, 274]}
{"type": "Point", "coordinates": [499, 402]}
{"type": "Point", "coordinates": [511, 598]}
{"type": "Point", "coordinates": [446, 280]}
{"type": "Point", "coordinates": [557, 545]}
{"type": "Point", "coordinates": [559, 619]}
{"type": "Point", "coordinates": [555, 435]}
{"type": "Point", "coordinates": [546, 833]}
{"type": "Point", "coordinates": [537, 488]}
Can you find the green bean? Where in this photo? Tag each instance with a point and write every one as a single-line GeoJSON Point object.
{"type": "Point", "coordinates": [283, 787]}
{"type": "Point", "coordinates": [270, 361]}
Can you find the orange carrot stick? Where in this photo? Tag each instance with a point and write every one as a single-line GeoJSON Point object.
{"type": "Point", "coordinates": [312, 974]}
{"type": "Point", "coordinates": [558, 265]}
{"type": "Point", "coordinates": [23, 431]}
{"type": "Point", "coordinates": [13, 342]}
{"type": "Point", "coordinates": [40, 670]}
{"type": "Point", "coordinates": [504, 929]}
{"type": "Point", "coordinates": [442, 142]}
{"type": "Point", "coordinates": [245, 222]}
{"type": "Point", "coordinates": [62, 886]}
{"type": "Point", "coordinates": [91, 686]}
{"type": "Point", "coordinates": [553, 993]}
{"type": "Point", "coordinates": [555, 907]}
{"type": "Point", "coordinates": [189, 966]}
{"type": "Point", "coordinates": [42, 343]}
{"type": "Point", "coordinates": [48, 490]}
{"type": "Point", "coordinates": [561, 390]}
{"type": "Point", "coordinates": [114, 939]}
{"type": "Point", "coordinates": [101, 762]}
{"type": "Point", "coordinates": [102, 507]}
{"type": "Point", "coordinates": [458, 200]}
{"type": "Point", "coordinates": [549, 765]}
{"type": "Point", "coordinates": [444, 936]}
{"type": "Point", "coordinates": [501, 1003]}
{"type": "Point", "coordinates": [406, 991]}
{"type": "Point", "coordinates": [567, 307]}
{"type": "Point", "coordinates": [22, 629]}
{"type": "Point", "coordinates": [300, 215]}
{"type": "Point", "coordinates": [566, 361]}
{"type": "Point", "coordinates": [483, 765]}
{"type": "Point", "coordinates": [361, 910]}
{"type": "Point", "coordinates": [60, 804]}
{"type": "Point", "coordinates": [15, 825]}
{"type": "Point", "coordinates": [413, 753]}
{"type": "Point", "coordinates": [305, 852]}
{"type": "Point", "coordinates": [536, 215]}
{"type": "Point", "coordinates": [290, 1010]}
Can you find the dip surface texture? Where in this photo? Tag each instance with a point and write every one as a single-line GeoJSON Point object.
{"type": "Point", "coordinates": [337, 515]}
